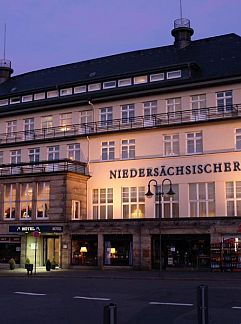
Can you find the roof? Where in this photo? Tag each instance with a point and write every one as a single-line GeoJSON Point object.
{"type": "Point", "coordinates": [217, 57]}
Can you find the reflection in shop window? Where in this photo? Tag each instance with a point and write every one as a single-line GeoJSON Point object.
{"type": "Point", "coordinates": [118, 250]}
{"type": "Point", "coordinates": [42, 199]}
{"type": "Point", "coordinates": [9, 201]}
{"type": "Point", "coordinates": [26, 197]}
{"type": "Point", "coordinates": [169, 204]}
{"type": "Point", "coordinates": [102, 201]}
{"type": "Point", "coordinates": [202, 199]}
{"type": "Point", "coordinates": [133, 202]}
{"type": "Point", "coordinates": [233, 198]}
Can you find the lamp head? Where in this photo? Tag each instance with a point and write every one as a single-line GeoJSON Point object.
{"type": "Point", "coordinates": [171, 192]}
{"type": "Point", "coordinates": [149, 194]}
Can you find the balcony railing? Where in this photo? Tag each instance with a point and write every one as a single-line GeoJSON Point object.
{"type": "Point", "coordinates": [43, 167]}
{"type": "Point", "coordinates": [139, 122]}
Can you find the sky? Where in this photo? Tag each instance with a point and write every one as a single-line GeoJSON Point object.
{"type": "Point", "coordinates": [46, 33]}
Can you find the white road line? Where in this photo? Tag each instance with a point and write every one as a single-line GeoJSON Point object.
{"type": "Point", "coordinates": [91, 298]}
{"type": "Point", "coordinates": [236, 307]}
{"type": "Point", "coordinates": [27, 293]}
{"type": "Point", "coordinates": [170, 304]}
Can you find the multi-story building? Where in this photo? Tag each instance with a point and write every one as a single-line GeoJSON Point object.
{"type": "Point", "coordinates": [80, 143]}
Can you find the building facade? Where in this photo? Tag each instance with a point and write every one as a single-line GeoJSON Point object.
{"type": "Point", "coordinates": [81, 144]}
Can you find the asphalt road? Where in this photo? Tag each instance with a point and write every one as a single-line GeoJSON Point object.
{"type": "Point", "coordinates": [139, 301]}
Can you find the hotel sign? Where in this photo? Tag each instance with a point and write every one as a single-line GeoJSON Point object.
{"type": "Point", "coordinates": [38, 228]}
{"type": "Point", "coordinates": [164, 170]}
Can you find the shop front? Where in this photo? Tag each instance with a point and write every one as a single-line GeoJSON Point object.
{"type": "Point", "coordinates": [118, 250]}
{"type": "Point", "coordinates": [10, 247]}
{"type": "Point", "coordinates": [84, 250]}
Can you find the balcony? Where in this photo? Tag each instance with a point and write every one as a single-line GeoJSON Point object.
{"type": "Point", "coordinates": [115, 125]}
{"type": "Point", "coordinates": [43, 167]}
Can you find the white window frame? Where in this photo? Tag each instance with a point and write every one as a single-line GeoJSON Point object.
{"type": "Point", "coordinates": [157, 77]}
{"type": "Point", "coordinates": [127, 113]}
{"type": "Point", "coordinates": [39, 96]}
{"type": "Point", "coordinates": [103, 203]}
{"type": "Point", "coordinates": [224, 101]}
{"type": "Point", "coordinates": [128, 149]}
{"type": "Point", "coordinates": [199, 107]}
{"type": "Point", "coordinates": [4, 102]}
{"type": "Point", "coordinates": [94, 87]}
{"type": "Point", "coordinates": [194, 139]}
{"type": "Point", "coordinates": [108, 151]}
{"type": "Point", "coordinates": [124, 82]}
{"type": "Point", "coordinates": [47, 124]}
{"type": "Point", "coordinates": [167, 202]}
{"type": "Point", "coordinates": [66, 92]}
{"type": "Point", "coordinates": [34, 154]}
{"type": "Point", "coordinates": [15, 156]}
{"type": "Point", "coordinates": [109, 84]}
{"type": "Point", "coordinates": [52, 94]}
{"type": "Point", "coordinates": [133, 202]}
{"type": "Point", "coordinates": [206, 201]}
{"type": "Point", "coordinates": [15, 100]}
{"type": "Point", "coordinates": [74, 152]}
{"type": "Point", "coordinates": [174, 74]}
{"type": "Point", "coordinates": [27, 98]}
{"type": "Point", "coordinates": [234, 198]}
{"type": "Point", "coordinates": [53, 153]}
{"type": "Point", "coordinates": [76, 210]}
{"type": "Point", "coordinates": [238, 139]}
{"type": "Point", "coordinates": [80, 89]}
{"type": "Point", "coordinates": [171, 145]}
{"type": "Point", "coordinates": [29, 128]}
{"type": "Point", "coordinates": [140, 79]}
{"type": "Point", "coordinates": [106, 116]}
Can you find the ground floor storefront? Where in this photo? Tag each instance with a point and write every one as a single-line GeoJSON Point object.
{"type": "Point", "coordinates": [134, 244]}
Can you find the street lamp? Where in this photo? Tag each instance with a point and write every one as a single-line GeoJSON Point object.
{"type": "Point", "coordinates": [159, 194]}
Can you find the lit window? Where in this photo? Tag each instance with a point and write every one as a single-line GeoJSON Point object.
{"type": "Point", "coordinates": [9, 201]}
{"type": "Point", "coordinates": [43, 190]}
{"type": "Point", "coordinates": [26, 197]}
{"type": "Point", "coordinates": [80, 89]}
{"type": "Point", "coordinates": [52, 94]}
{"type": "Point", "coordinates": [174, 74]}
{"type": "Point", "coordinates": [39, 96]}
{"type": "Point", "coordinates": [74, 152]}
{"type": "Point", "coordinates": [202, 199]}
{"type": "Point", "coordinates": [133, 202]}
{"type": "Point", "coordinates": [109, 84]}
{"type": "Point", "coordinates": [169, 203]}
{"type": "Point", "coordinates": [15, 100]}
{"type": "Point", "coordinates": [66, 92]}
{"type": "Point", "coordinates": [27, 98]}
{"type": "Point", "coordinates": [124, 82]}
{"type": "Point", "coordinates": [3, 102]}
{"type": "Point", "coordinates": [156, 77]}
{"type": "Point", "coordinates": [65, 121]}
{"type": "Point", "coordinates": [233, 198]}
{"type": "Point", "coordinates": [94, 87]}
{"type": "Point", "coordinates": [140, 79]}
{"type": "Point", "coordinates": [102, 201]}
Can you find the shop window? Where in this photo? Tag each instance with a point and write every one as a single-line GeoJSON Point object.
{"type": "Point", "coordinates": [233, 198]}
{"type": "Point", "coordinates": [43, 189]}
{"type": "Point", "coordinates": [26, 197]}
{"type": "Point", "coordinates": [76, 211]}
{"type": "Point", "coordinates": [118, 250]}
{"type": "Point", "coordinates": [9, 201]}
{"type": "Point", "coordinates": [168, 205]}
{"type": "Point", "coordinates": [84, 250]}
{"type": "Point", "coordinates": [202, 199]}
{"type": "Point", "coordinates": [102, 200]}
{"type": "Point", "coordinates": [133, 202]}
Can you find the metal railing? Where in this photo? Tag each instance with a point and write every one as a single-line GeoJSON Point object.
{"type": "Point", "coordinates": [139, 122]}
{"type": "Point", "coordinates": [65, 165]}
{"type": "Point", "coordinates": [5, 63]}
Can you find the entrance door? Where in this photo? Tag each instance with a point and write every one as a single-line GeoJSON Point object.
{"type": "Point", "coordinates": [51, 249]}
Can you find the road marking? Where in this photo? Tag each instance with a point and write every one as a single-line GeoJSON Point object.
{"type": "Point", "coordinates": [91, 298]}
{"type": "Point", "coordinates": [236, 307]}
{"type": "Point", "coordinates": [170, 304]}
{"type": "Point", "coordinates": [27, 293]}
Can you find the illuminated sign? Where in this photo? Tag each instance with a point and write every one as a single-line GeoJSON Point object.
{"type": "Point", "coordinates": [164, 170]}
{"type": "Point", "coordinates": [38, 228]}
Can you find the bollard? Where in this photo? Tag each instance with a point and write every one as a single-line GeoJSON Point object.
{"type": "Point", "coordinates": [110, 314]}
{"type": "Point", "coordinates": [202, 304]}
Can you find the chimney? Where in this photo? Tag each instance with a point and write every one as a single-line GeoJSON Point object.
{"type": "Point", "coordinates": [182, 33]}
{"type": "Point", "coordinates": [5, 70]}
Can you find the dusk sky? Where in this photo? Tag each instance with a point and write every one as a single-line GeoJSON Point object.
{"type": "Point", "coordinates": [45, 33]}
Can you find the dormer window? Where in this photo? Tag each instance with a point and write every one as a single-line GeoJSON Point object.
{"type": "Point", "coordinates": [156, 77]}
{"type": "Point", "coordinates": [174, 74]}
{"type": "Point", "coordinates": [52, 94]}
{"type": "Point", "coordinates": [3, 102]}
{"type": "Point", "coordinates": [94, 87]}
{"type": "Point", "coordinates": [27, 98]}
{"type": "Point", "coordinates": [66, 92]}
{"type": "Point", "coordinates": [15, 100]}
{"type": "Point", "coordinates": [140, 79]}
{"type": "Point", "coordinates": [80, 89]}
{"type": "Point", "coordinates": [109, 84]}
{"type": "Point", "coordinates": [124, 82]}
{"type": "Point", "coordinates": [39, 96]}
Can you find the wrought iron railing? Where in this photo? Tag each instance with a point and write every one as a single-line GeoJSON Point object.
{"type": "Point", "coordinates": [139, 122]}
{"type": "Point", "coordinates": [24, 168]}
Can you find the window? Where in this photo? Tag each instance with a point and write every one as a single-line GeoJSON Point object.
{"type": "Point", "coordinates": [52, 94]}
{"type": "Point", "coordinates": [140, 79]}
{"type": "Point", "coordinates": [109, 84]}
{"type": "Point", "coordinates": [42, 199]}
{"type": "Point", "coordinates": [1, 157]}
{"type": "Point", "coordinates": [3, 102]}
{"type": "Point", "coordinates": [128, 149]}
{"type": "Point", "coordinates": [150, 111]}
{"type": "Point", "coordinates": [47, 124]}
{"type": "Point", "coordinates": [80, 89]}
{"type": "Point", "coordinates": [85, 117]}
{"type": "Point", "coordinates": [202, 199]}
{"type": "Point", "coordinates": [194, 143]}
{"type": "Point", "coordinates": [233, 198]}
{"type": "Point", "coordinates": [66, 121]}
{"type": "Point", "coordinates": [102, 200]}
{"type": "Point", "coordinates": [29, 128]}
{"type": "Point", "coordinates": [173, 105]}
{"type": "Point", "coordinates": [171, 144]}
{"type": "Point", "coordinates": [133, 202]}
{"type": "Point", "coordinates": [34, 154]}
{"type": "Point", "coordinates": [127, 113]}
{"type": "Point", "coordinates": [199, 107]}
{"type": "Point", "coordinates": [238, 139]}
{"type": "Point", "coordinates": [27, 98]}
{"type": "Point", "coordinates": [169, 205]}
{"type": "Point", "coordinates": [26, 197]}
{"type": "Point", "coordinates": [124, 82]}
{"type": "Point", "coordinates": [11, 128]}
{"type": "Point", "coordinates": [15, 100]}
{"type": "Point", "coordinates": [94, 87]}
{"type": "Point", "coordinates": [107, 151]}
{"type": "Point", "coordinates": [9, 201]}
{"type": "Point", "coordinates": [39, 96]}
{"type": "Point", "coordinates": [66, 92]}
{"type": "Point", "coordinates": [15, 156]}
{"type": "Point", "coordinates": [53, 153]}
{"type": "Point", "coordinates": [224, 101]}
{"type": "Point", "coordinates": [174, 74]}
{"type": "Point", "coordinates": [156, 77]}
{"type": "Point", "coordinates": [106, 116]}
{"type": "Point", "coordinates": [76, 209]}
{"type": "Point", "coordinates": [74, 152]}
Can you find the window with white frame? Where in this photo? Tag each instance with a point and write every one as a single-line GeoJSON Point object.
{"type": "Point", "coordinates": [124, 82]}
{"type": "Point", "coordinates": [94, 87]}
{"type": "Point", "coordinates": [202, 199]}
{"type": "Point", "coordinates": [39, 96]}
{"type": "Point", "coordinates": [109, 84]}
{"type": "Point", "coordinates": [66, 92]}
{"type": "Point", "coordinates": [76, 211]}
{"type": "Point", "coordinates": [52, 94]}
{"type": "Point", "coordinates": [133, 202]}
{"type": "Point", "coordinates": [4, 102]}
{"type": "Point", "coordinates": [47, 123]}
{"type": "Point", "coordinates": [43, 198]}
{"type": "Point", "coordinates": [224, 101]}
{"type": "Point", "coordinates": [65, 121]}
{"type": "Point", "coordinates": [194, 143]}
{"type": "Point", "coordinates": [156, 77]}
{"type": "Point", "coordinates": [27, 98]}
{"type": "Point", "coordinates": [53, 153]}
{"type": "Point", "coordinates": [106, 116]}
{"type": "Point", "coordinates": [150, 111]}
{"type": "Point", "coordinates": [11, 128]}
{"type": "Point", "coordinates": [199, 106]}
{"type": "Point", "coordinates": [233, 198]}
{"type": "Point", "coordinates": [15, 100]}
{"type": "Point", "coordinates": [29, 128]}
{"type": "Point", "coordinates": [102, 201]}
{"type": "Point", "coordinates": [80, 89]}
{"type": "Point", "coordinates": [238, 139]}
{"type": "Point", "coordinates": [15, 156]}
{"type": "Point", "coordinates": [173, 105]}
{"type": "Point", "coordinates": [74, 152]}
{"type": "Point", "coordinates": [1, 157]}
{"type": "Point", "coordinates": [174, 74]}
{"type": "Point", "coordinates": [107, 151]}
{"type": "Point", "coordinates": [34, 154]}
{"type": "Point", "coordinates": [9, 201]}
{"type": "Point", "coordinates": [26, 198]}
{"type": "Point", "coordinates": [167, 206]}
{"type": "Point", "coordinates": [127, 113]}
{"type": "Point", "coordinates": [140, 79]}
{"type": "Point", "coordinates": [128, 149]}
{"type": "Point", "coordinates": [171, 144]}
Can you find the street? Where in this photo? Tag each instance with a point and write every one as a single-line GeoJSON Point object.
{"type": "Point", "coordinates": [139, 301]}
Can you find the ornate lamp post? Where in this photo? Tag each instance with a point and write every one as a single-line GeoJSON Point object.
{"type": "Point", "coordinates": [159, 194]}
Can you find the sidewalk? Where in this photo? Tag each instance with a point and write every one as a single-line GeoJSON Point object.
{"type": "Point", "coordinates": [124, 274]}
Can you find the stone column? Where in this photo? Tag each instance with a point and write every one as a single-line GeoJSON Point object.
{"type": "Point", "coordinates": [100, 253]}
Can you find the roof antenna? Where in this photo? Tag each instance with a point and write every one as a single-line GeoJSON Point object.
{"type": "Point", "coordinates": [5, 65]}
{"type": "Point", "coordinates": [4, 42]}
{"type": "Point", "coordinates": [181, 9]}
